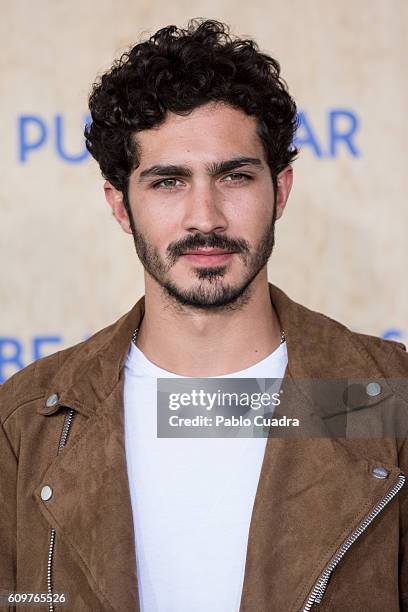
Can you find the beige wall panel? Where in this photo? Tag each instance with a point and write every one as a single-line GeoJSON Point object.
{"type": "Point", "coordinates": [341, 246]}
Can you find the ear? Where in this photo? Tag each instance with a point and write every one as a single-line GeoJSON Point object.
{"type": "Point", "coordinates": [115, 199]}
{"type": "Point", "coordinates": [285, 181]}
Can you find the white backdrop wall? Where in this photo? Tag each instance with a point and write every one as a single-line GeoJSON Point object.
{"type": "Point", "coordinates": [341, 247]}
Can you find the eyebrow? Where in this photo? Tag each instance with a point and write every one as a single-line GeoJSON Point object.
{"type": "Point", "coordinates": [213, 169]}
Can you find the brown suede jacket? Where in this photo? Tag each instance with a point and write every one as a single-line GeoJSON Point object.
{"type": "Point", "coordinates": [329, 527]}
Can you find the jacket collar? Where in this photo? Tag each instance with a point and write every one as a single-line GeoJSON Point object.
{"type": "Point", "coordinates": [318, 348]}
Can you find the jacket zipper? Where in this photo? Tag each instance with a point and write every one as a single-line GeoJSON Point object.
{"type": "Point", "coordinates": [62, 442]}
{"type": "Point", "coordinates": [319, 588]}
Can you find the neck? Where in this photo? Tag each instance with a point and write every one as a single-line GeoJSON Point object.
{"type": "Point", "coordinates": [192, 342]}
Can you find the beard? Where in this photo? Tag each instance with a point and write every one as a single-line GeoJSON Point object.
{"type": "Point", "coordinates": [211, 293]}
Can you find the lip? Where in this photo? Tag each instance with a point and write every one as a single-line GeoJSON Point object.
{"type": "Point", "coordinates": [208, 256]}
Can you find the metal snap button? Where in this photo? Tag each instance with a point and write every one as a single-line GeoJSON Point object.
{"type": "Point", "coordinates": [52, 400]}
{"type": "Point", "coordinates": [46, 493]}
{"type": "Point", "coordinates": [380, 472]}
{"type": "Point", "coordinates": [373, 388]}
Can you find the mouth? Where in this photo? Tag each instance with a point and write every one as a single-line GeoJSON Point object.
{"type": "Point", "coordinates": [208, 256]}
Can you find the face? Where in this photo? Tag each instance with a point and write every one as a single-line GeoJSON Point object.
{"type": "Point", "coordinates": [203, 206]}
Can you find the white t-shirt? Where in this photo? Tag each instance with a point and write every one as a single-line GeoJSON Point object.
{"type": "Point", "coordinates": [192, 498]}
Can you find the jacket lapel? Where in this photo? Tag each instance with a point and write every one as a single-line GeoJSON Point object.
{"type": "Point", "coordinates": [91, 507]}
{"type": "Point", "coordinates": [315, 489]}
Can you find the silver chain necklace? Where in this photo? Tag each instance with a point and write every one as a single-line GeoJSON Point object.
{"type": "Point", "coordinates": [282, 339]}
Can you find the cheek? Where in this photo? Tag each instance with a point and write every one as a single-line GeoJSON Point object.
{"type": "Point", "coordinates": [150, 216]}
{"type": "Point", "coordinates": [250, 211]}
{"type": "Point", "coordinates": [157, 227]}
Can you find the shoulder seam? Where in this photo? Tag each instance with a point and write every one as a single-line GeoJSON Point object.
{"type": "Point", "coordinates": [20, 405]}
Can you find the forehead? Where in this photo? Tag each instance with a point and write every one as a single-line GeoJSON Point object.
{"type": "Point", "coordinates": [210, 132]}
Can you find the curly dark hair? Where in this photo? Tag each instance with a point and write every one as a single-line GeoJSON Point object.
{"type": "Point", "coordinates": [178, 70]}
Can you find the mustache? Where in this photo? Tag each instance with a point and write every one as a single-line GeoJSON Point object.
{"type": "Point", "coordinates": [214, 241]}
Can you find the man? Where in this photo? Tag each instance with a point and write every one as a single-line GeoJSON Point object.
{"type": "Point", "coordinates": [193, 132]}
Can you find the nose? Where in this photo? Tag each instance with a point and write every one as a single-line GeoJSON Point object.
{"type": "Point", "coordinates": [203, 210]}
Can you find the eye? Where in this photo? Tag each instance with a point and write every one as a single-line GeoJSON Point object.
{"type": "Point", "coordinates": [237, 177]}
{"type": "Point", "coordinates": [167, 183]}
